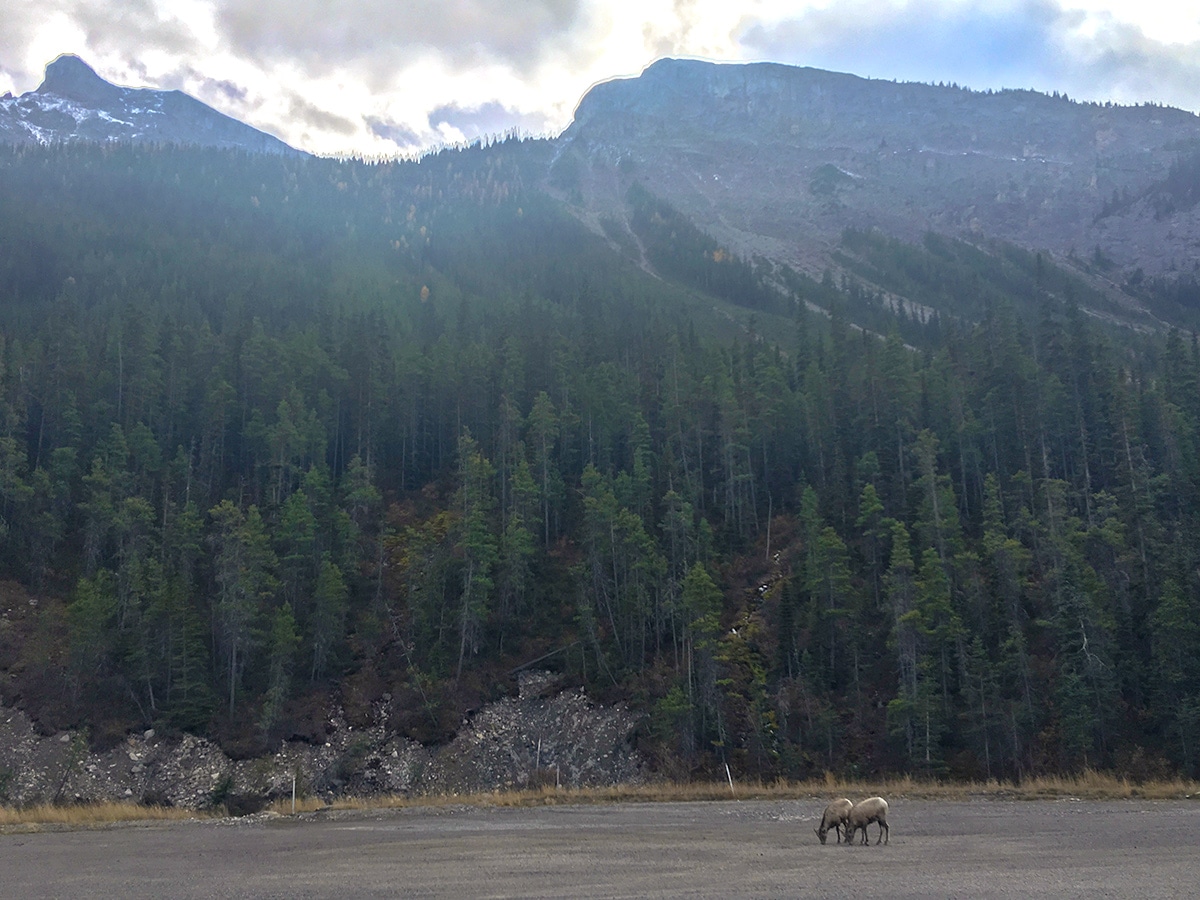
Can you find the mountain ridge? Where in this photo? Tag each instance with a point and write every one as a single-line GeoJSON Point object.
{"type": "Point", "coordinates": [73, 103]}
{"type": "Point", "coordinates": [778, 161]}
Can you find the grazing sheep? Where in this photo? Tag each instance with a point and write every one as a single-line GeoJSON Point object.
{"type": "Point", "coordinates": [863, 814]}
{"type": "Point", "coordinates": [836, 814]}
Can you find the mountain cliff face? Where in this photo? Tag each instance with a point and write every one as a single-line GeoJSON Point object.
{"type": "Point", "coordinates": [73, 103]}
{"type": "Point", "coordinates": [778, 161]}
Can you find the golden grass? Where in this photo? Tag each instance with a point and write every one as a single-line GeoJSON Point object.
{"type": "Point", "coordinates": [1089, 785]}
{"type": "Point", "coordinates": [85, 815]}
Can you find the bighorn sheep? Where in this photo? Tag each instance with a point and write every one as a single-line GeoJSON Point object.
{"type": "Point", "coordinates": [836, 814]}
{"type": "Point", "coordinates": [863, 814]}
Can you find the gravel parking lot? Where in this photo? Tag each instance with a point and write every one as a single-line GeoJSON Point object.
{"type": "Point", "coordinates": [985, 848]}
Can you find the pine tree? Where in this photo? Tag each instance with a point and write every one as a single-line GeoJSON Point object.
{"type": "Point", "coordinates": [283, 639]}
{"type": "Point", "coordinates": [328, 625]}
{"type": "Point", "coordinates": [543, 423]}
{"type": "Point", "coordinates": [477, 542]}
{"type": "Point", "coordinates": [243, 570]}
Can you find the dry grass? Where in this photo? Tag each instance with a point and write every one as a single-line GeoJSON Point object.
{"type": "Point", "coordinates": [1089, 785]}
{"type": "Point", "coordinates": [88, 815]}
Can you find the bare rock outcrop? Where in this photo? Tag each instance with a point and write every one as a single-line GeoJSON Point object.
{"type": "Point", "coordinates": [538, 738]}
{"type": "Point", "coordinates": [544, 736]}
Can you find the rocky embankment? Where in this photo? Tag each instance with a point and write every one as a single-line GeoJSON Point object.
{"type": "Point", "coordinates": [543, 736]}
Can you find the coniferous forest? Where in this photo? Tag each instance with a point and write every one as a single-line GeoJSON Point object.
{"type": "Point", "coordinates": [280, 430]}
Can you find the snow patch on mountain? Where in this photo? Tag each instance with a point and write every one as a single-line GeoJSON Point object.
{"type": "Point", "coordinates": [74, 104]}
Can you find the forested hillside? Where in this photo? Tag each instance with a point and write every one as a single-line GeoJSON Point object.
{"type": "Point", "coordinates": [276, 430]}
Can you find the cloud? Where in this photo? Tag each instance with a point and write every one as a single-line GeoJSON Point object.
{"type": "Point", "coordinates": [136, 23]}
{"type": "Point", "coordinates": [300, 110]}
{"type": "Point", "coordinates": [394, 132]}
{"type": "Point", "coordinates": [984, 44]}
{"type": "Point", "coordinates": [488, 119]}
{"type": "Point", "coordinates": [108, 35]}
{"type": "Point", "coordinates": [382, 35]}
{"type": "Point", "coordinates": [1120, 62]}
{"type": "Point", "coordinates": [193, 81]}
{"type": "Point", "coordinates": [17, 39]}
{"type": "Point", "coordinates": [234, 93]}
{"type": "Point", "coordinates": [119, 27]}
{"type": "Point", "coordinates": [1049, 46]}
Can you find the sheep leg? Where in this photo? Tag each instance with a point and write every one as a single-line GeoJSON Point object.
{"type": "Point", "coordinates": [883, 829]}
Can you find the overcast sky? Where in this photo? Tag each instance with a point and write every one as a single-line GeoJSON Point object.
{"type": "Point", "coordinates": [375, 77]}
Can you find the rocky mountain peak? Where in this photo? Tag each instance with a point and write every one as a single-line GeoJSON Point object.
{"type": "Point", "coordinates": [69, 76]}
{"type": "Point", "coordinates": [73, 103]}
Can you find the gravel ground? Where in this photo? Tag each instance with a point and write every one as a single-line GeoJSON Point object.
{"type": "Point", "coordinates": [751, 849]}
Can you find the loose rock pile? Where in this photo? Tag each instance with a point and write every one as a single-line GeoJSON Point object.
{"type": "Point", "coordinates": [540, 738]}
{"type": "Point", "coordinates": [545, 736]}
